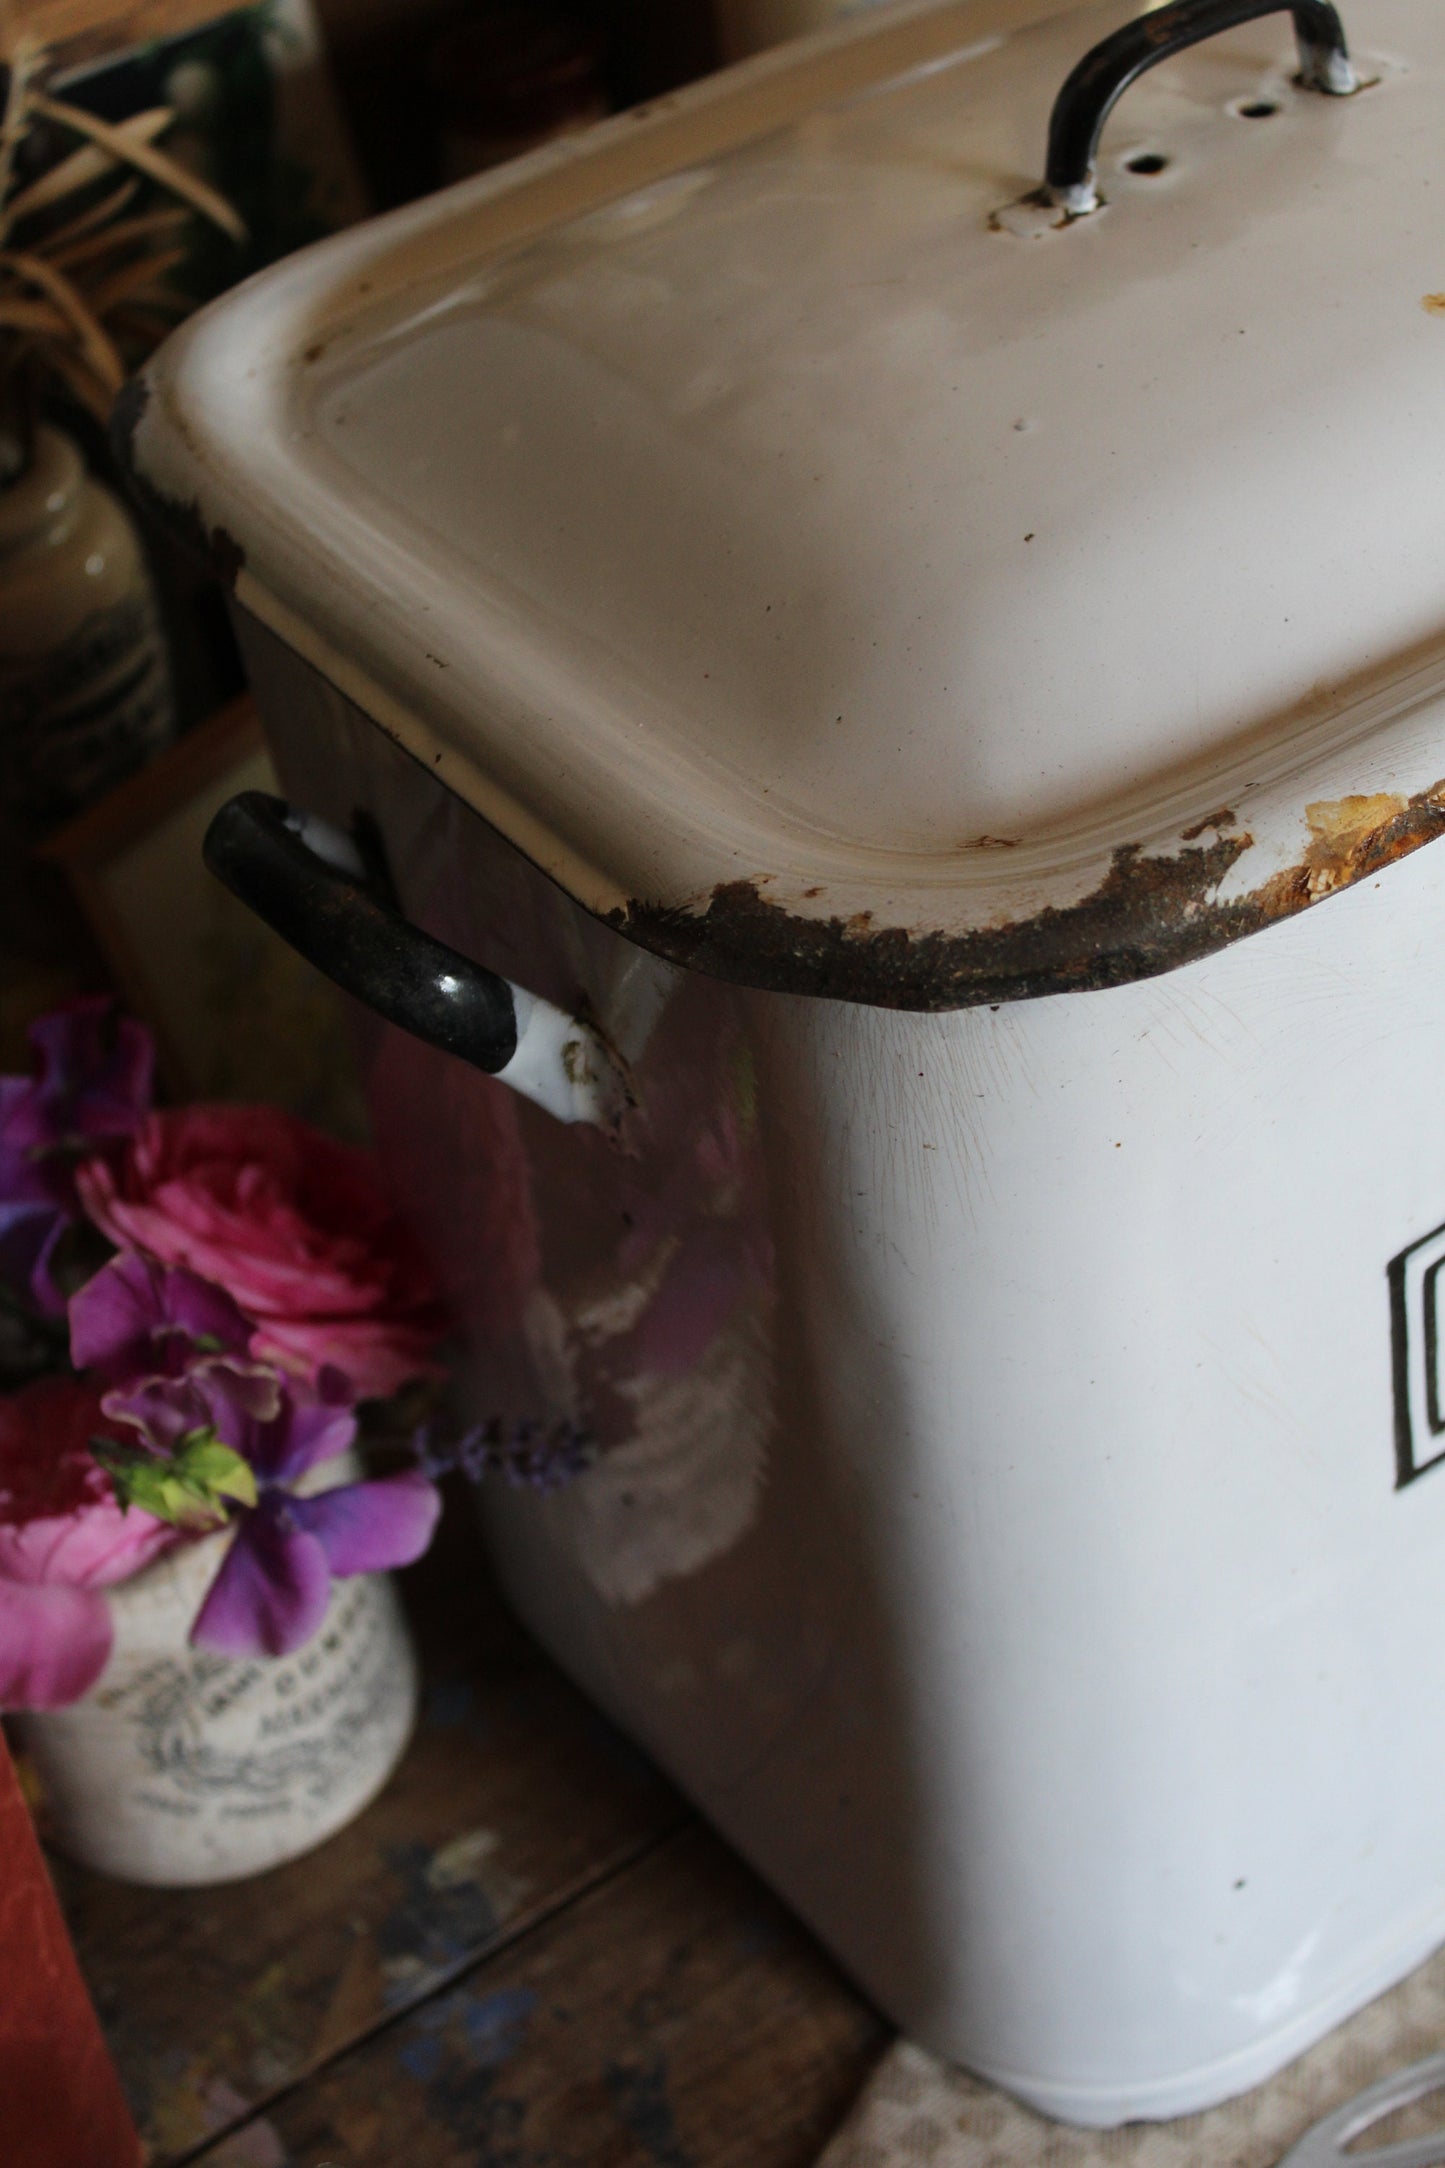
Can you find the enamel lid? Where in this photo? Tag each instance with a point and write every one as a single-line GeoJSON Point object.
{"type": "Point", "coordinates": [851, 576]}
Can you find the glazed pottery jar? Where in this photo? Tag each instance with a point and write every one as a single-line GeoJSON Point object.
{"type": "Point", "coordinates": [85, 692]}
{"type": "Point", "coordinates": [182, 1767]}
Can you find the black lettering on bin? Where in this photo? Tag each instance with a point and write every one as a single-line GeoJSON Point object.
{"type": "Point", "coordinates": [1415, 1337]}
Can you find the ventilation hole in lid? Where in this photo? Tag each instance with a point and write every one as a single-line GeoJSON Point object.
{"type": "Point", "coordinates": [1146, 162]}
{"type": "Point", "coordinates": [1257, 109]}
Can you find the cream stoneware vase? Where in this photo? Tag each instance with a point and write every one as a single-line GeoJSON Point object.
{"type": "Point", "coordinates": [85, 692]}
{"type": "Point", "coordinates": [181, 1767]}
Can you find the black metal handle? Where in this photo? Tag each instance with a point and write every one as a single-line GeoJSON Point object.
{"type": "Point", "coordinates": [1103, 75]}
{"type": "Point", "coordinates": [257, 847]}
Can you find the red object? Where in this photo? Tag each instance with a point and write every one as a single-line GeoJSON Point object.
{"type": "Point", "coordinates": [61, 2105]}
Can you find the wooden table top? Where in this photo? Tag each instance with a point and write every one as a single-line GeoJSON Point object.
{"type": "Point", "coordinates": [527, 1953]}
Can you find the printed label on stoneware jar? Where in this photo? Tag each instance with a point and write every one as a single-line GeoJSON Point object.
{"type": "Point", "coordinates": [86, 715]}
{"type": "Point", "coordinates": [258, 1739]}
{"type": "Point", "coordinates": [187, 1767]}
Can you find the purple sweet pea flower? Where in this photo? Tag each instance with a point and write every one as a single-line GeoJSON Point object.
{"type": "Point", "coordinates": [94, 1080]}
{"type": "Point", "coordinates": [37, 1204]}
{"type": "Point", "coordinates": [310, 1425]}
{"type": "Point", "coordinates": [172, 1348]}
{"type": "Point", "coordinates": [217, 1395]}
{"type": "Point", "coordinates": [137, 1319]}
{"type": "Point", "coordinates": [274, 1584]}
{"type": "Point", "coordinates": [92, 1088]}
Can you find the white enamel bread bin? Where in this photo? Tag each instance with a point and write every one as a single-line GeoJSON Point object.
{"type": "Point", "coordinates": [896, 682]}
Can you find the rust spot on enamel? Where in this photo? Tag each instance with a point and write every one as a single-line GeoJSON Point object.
{"type": "Point", "coordinates": [1147, 915]}
{"type": "Point", "coordinates": [220, 550]}
{"type": "Point", "coordinates": [1340, 828]}
{"type": "Point", "coordinates": [1351, 838]}
{"type": "Point", "coordinates": [1215, 821]}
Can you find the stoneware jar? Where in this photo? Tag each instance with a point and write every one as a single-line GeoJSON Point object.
{"type": "Point", "coordinates": [85, 693]}
{"type": "Point", "coordinates": [182, 1767]}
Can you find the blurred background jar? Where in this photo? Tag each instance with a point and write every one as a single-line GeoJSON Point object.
{"type": "Point", "coordinates": [506, 77]}
{"type": "Point", "coordinates": [85, 692]}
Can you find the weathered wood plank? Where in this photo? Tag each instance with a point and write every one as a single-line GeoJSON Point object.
{"type": "Point", "coordinates": [514, 1796]}
{"type": "Point", "coordinates": [677, 2018]}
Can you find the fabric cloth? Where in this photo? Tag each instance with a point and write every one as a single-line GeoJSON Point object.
{"type": "Point", "coordinates": [61, 2104]}
{"type": "Point", "coordinates": [917, 2113]}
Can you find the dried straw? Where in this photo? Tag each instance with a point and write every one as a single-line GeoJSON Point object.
{"type": "Point", "coordinates": [85, 294]}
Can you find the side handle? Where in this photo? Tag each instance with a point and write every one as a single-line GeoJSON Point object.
{"type": "Point", "coordinates": [306, 880]}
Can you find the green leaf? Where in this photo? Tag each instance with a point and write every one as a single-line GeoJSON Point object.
{"type": "Point", "coordinates": [191, 1489]}
{"type": "Point", "coordinates": [215, 1470]}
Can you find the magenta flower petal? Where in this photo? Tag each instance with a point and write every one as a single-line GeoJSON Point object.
{"type": "Point", "coordinates": [371, 1527]}
{"type": "Point", "coordinates": [54, 1643]}
{"type": "Point", "coordinates": [271, 1593]}
{"type": "Point", "coordinates": [138, 1319]}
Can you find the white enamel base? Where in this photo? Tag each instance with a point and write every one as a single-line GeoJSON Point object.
{"type": "Point", "coordinates": [997, 1533]}
{"type": "Point", "coordinates": [1191, 2091]}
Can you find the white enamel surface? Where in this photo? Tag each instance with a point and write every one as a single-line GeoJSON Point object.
{"type": "Point", "coordinates": [1017, 1574]}
{"type": "Point", "coordinates": [778, 519]}
{"type": "Point", "coordinates": [562, 1065]}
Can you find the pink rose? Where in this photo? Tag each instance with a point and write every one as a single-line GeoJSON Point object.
{"type": "Point", "coordinates": [294, 1226]}
{"type": "Point", "coordinates": [63, 1538]}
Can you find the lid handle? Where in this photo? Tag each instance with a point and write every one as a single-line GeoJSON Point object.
{"type": "Point", "coordinates": [1104, 74]}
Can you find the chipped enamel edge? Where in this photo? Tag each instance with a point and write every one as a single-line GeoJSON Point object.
{"type": "Point", "coordinates": [562, 1066]}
